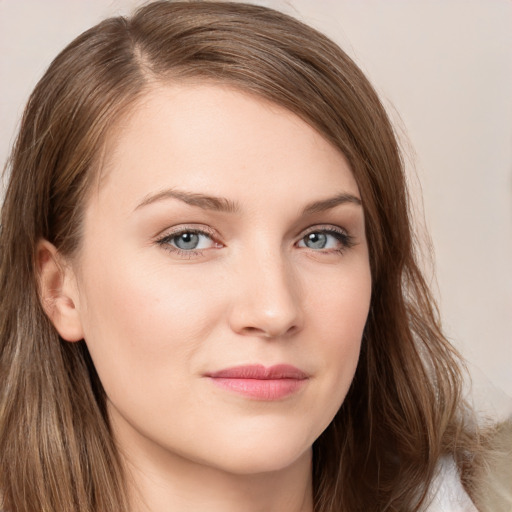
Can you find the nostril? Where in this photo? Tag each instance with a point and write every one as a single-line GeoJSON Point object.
{"type": "Point", "coordinates": [268, 304]}
{"type": "Point", "coordinates": [270, 331]}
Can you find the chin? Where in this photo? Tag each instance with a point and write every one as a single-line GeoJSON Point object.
{"type": "Point", "coordinates": [258, 452]}
{"type": "Point", "coordinates": [253, 462]}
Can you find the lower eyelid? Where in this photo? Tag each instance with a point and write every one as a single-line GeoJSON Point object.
{"type": "Point", "coordinates": [344, 239]}
{"type": "Point", "coordinates": [168, 243]}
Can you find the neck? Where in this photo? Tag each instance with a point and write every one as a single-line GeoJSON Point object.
{"type": "Point", "coordinates": [159, 480]}
{"type": "Point", "coordinates": [181, 485]}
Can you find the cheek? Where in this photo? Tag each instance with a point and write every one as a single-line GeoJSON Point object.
{"type": "Point", "coordinates": [143, 321]}
{"type": "Point", "coordinates": [339, 305]}
{"type": "Point", "coordinates": [338, 315]}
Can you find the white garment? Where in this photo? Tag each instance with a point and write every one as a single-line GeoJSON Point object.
{"type": "Point", "coordinates": [447, 493]}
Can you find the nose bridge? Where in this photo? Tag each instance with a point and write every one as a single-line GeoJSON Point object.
{"type": "Point", "coordinates": [268, 301]}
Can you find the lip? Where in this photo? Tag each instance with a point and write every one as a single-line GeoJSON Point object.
{"type": "Point", "coordinates": [260, 382]}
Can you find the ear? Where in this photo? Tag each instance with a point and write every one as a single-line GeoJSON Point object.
{"type": "Point", "coordinates": [58, 291]}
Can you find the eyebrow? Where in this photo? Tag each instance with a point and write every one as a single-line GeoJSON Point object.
{"type": "Point", "coordinates": [331, 202]}
{"type": "Point", "coordinates": [222, 204]}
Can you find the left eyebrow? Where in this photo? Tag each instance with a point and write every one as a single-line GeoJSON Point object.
{"type": "Point", "coordinates": [329, 203]}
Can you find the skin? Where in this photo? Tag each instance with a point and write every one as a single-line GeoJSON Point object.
{"type": "Point", "coordinates": [257, 290]}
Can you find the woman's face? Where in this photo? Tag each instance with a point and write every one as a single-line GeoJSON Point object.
{"type": "Point", "coordinates": [223, 281]}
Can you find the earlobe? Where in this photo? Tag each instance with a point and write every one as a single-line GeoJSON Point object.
{"type": "Point", "coordinates": [58, 291]}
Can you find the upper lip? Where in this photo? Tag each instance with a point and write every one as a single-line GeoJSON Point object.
{"type": "Point", "coordinates": [260, 372]}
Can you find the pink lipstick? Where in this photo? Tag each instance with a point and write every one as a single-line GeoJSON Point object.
{"type": "Point", "coordinates": [259, 382]}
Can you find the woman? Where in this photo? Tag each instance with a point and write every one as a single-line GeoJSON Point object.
{"type": "Point", "coordinates": [209, 294]}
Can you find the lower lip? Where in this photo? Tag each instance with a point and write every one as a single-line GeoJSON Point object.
{"type": "Point", "coordinates": [261, 389]}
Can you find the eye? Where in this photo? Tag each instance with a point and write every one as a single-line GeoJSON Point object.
{"type": "Point", "coordinates": [326, 240]}
{"type": "Point", "coordinates": [189, 241]}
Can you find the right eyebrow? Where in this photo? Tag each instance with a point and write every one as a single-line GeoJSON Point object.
{"type": "Point", "coordinates": [206, 202]}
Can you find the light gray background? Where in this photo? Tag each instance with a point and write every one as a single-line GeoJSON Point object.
{"type": "Point", "coordinates": [445, 67]}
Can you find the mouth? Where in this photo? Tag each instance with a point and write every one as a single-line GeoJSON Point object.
{"type": "Point", "coordinates": [260, 382]}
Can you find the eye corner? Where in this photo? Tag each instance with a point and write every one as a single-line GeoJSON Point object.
{"type": "Point", "coordinates": [196, 241]}
{"type": "Point", "coordinates": [326, 239]}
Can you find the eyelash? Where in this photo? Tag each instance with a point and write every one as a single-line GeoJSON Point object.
{"type": "Point", "coordinates": [346, 241]}
{"type": "Point", "coordinates": [165, 242]}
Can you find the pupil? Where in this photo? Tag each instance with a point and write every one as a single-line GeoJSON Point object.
{"type": "Point", "coordinates": [187, 241]}
{"type": "Point", "coordinates": [316, 240]}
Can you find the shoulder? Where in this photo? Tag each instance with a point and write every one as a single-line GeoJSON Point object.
{"type": "Point", "coordinates": [446, 492]}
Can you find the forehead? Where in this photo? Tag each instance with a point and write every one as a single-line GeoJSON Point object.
{"type": "Point", "coordinates": [215, 138]}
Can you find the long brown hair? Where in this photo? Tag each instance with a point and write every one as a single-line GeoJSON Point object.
{"type": "Point", "coordinates": [403, 410]}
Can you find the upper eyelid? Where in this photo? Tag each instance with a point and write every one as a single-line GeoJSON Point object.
{"type": "Point", "coordinates": [203, 229]}
{"type": "Point", "coordinates": [326, 228]}
{"type": "Point", "coordinates": [186, 228]}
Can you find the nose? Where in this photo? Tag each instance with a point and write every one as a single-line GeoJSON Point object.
{"type": "Point", "coordinates": [267, 300]}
